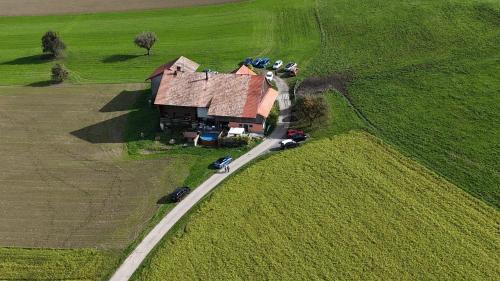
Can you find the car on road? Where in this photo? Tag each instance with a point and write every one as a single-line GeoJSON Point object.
{"type": "Point", "coordinates": [299, 137]}
{"type": "Point", "coordinates": [269, 76]}
{"type": "Point", "coordinates": [179, 193]}
{"type": "Point", "coordinates": [291, 66]}
{"type": "Point", "coordinates": [277, 65]}
{"type": "Point", "coordinates": [248, 61]}
{"type": "Point", "coordinates": [288, 143]}
{"type": "Point", "coordinates": [292, 132]}
{"type": "Point", "coordinates": [222, 162]}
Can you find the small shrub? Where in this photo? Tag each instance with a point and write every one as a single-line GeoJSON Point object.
{"type": "Point", "coordinates": [236, 141]}
{"type": "Point", "coordinates": [272, 119]}
{"type": "Point", "coordinates": [146, 40]}
{"type": "Point", "coordinates": [59, 73]}
{"type": "Point", "coordinates": [52, 44]}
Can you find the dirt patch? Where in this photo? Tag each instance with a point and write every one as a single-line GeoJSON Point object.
{"type": "Point", "coordinates": [63, 180]}
{"type": "Point", "coordinates": [316, 85]}
{"type": "Point", "coordinates": [52, 7]}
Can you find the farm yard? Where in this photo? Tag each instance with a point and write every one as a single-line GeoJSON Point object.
{"type": "Point", "coordinates": [423, 74]}
{"type": "Point", "coordinates": [356, 210]}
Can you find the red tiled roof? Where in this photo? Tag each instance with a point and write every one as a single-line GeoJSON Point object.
{"type": "Point", "coordinates": [244, 70]}
{"type": "Point", "coordinates": [228, 95]}
{"type": "Point", "coordinates": [186, 65]}
{"type": "Point", "coordinates": [267, 102]}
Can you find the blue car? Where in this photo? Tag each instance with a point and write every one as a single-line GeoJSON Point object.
{"type": "Point", "coordinates": [222, 162]}
{"type": "Point", "coordinates": [247, 61]}
{"type": "Point", "coordinates": [256, 62]}
{"type": "Point", "coordinates": [262, 63]}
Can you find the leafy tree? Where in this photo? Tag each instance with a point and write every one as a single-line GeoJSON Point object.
{"type": "Point", "coordinates": [146, 40]}
{"type": "Point", "coordinates": [53, 44]}
{"type": "Point", "coordinates": [311, 108]}
{"type": "Point", "coordinates": [59, 73]}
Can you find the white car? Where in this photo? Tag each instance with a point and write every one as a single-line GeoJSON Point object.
{"type": "Point", "coordinates": [277, 64]}
{"type": "Point", "coordinates": [269, 76]}
{"type": "Point", "coordinates": [291, 66]}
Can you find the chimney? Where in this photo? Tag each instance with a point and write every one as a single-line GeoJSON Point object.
{"type": "Point", "coordinates": [206, 75]}
{"type": "Point", "coordinates": [179, 68]}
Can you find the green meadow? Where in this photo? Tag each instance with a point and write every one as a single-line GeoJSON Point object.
{"type": "Point", "coordinates": [355, 210]}
{"type": "Point", "coordinates": [387, 206]}
{"type": "Point", "coordinates": [423, 72]}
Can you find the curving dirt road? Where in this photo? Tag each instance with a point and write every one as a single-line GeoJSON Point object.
{"type": "Point", "coordinates": [134, 260]}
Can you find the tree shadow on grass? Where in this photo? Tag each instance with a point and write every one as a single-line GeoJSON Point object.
{"type": "Point", "coordinates": [41, 83]}
{"type": "Point", "coordinates": [119, 58]}
{"type": "Point", "coordinates": [34, 59]}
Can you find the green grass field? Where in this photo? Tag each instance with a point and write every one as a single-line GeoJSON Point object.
{"type": "Point", "coordinates": [425, 72]}
{"type": "Point", "coordinates": [426, 75]}
{"type": "Point", "coordinates": [357, 210]}
{"type": "Point", "coordinates": [46, 264]}
{"type": "Point", "coordinates": [101, 49]}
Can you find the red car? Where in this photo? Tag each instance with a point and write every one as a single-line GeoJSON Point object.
{"type": "Point", "coordinates": [292, 132]}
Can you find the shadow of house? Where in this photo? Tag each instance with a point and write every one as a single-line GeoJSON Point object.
{"type": "Point", "coordinates": [140, 123]}
{"type": "Point", "coordinates": [119, 58]}
{"type": "Point", "coordinates": [125, 100]}
{"type": "Point", "coordinates": [108, 131]}
{"type": "Point", "coordinates": [34, 59]}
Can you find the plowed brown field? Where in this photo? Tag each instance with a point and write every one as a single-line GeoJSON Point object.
{"type": "Point", "coordinates": [63, 179]}
{"type": "Point", "coordinates": [51, 7]}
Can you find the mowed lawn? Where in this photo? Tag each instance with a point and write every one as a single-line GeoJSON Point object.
{"type": "Point", "coordinates": [52, 264]}
{"type": "Point", "coordinates": [101, 48]}
{"type": "Point", "coordinates": [355, 210]}
{"type": "Point", "coordinates": [65, 182]}
{"type": "Point", "coordinates": [425, 73]}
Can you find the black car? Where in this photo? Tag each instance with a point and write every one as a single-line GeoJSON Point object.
{"type": "Point", "coordinates": [179, 193]}
{"type": "Point", "coordinates": [298, 137]}
{"type": "Point", "coordinates": [288, 144]}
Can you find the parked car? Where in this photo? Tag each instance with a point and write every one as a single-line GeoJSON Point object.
{"type": "Point", "coordinates": [291, 66]}
{"type": "Point", "coordinates": [292, 132]}
{"type": "Point", "coordinates": [261, 62]}
{"type": "Point", "coordinates": [277, 65]}
{"type": "Point", "coordinates": [288, 143]}
{"type": "Point", "coordinates": [299, 137]}
{"type": "Point", "coordinates": [179, 193]}
{"type": "Point", "coordinates": [248, 61]}
{"type": "Point", "coordinates": [256, 62]}
{"type": "Point", "coordinates": [222, 162]}
{"type": "Point", "coordinates": [269, 76]}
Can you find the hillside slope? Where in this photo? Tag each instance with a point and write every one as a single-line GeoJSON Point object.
{"type": "Point", "coordinates": [355, 210]}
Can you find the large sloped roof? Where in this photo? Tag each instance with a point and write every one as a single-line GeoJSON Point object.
{"type": "Point", "coordinates": [241, 94]}
{"type": "Point", "coordinates": [186, 65]}
{"type": "Point", "coordinates": [244, 70]}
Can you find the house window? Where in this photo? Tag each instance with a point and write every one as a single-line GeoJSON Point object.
{"type": "Point", "coordinates": [240, 125]}
{"type": "Point", "coordinates": [251, 126]}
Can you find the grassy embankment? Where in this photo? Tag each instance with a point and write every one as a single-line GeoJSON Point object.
{"type": "Point", "coordinates": [426, 75]}
{"type": "Point", "coordinates": [356, 210]}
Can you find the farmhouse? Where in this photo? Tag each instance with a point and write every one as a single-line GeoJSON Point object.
{"type": "Point", "coordinates": [185, 97]}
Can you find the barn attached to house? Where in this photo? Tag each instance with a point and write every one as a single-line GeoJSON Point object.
{"type": "Point", "coordinates": [185, 97]}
